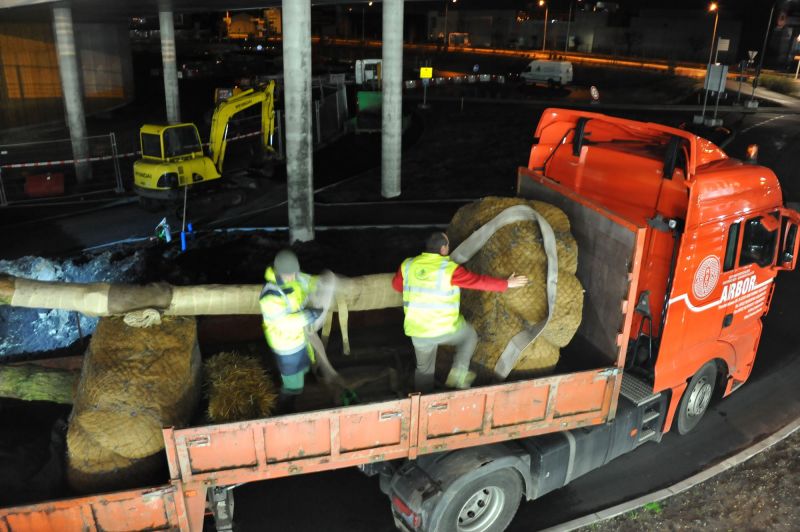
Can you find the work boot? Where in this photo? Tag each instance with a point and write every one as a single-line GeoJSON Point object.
{"type": "Point", "coordinates": [285, 404]}
{"type": "Point", "coordinates": [460, 378]}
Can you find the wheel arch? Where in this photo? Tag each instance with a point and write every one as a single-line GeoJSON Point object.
{"type": "Point", "coordinates": [677, 392]}
{"type": "Point", "coordinates": [672, 375]}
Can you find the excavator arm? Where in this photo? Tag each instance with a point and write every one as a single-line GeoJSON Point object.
{"type": "Point", "coordinates": [218, 139]}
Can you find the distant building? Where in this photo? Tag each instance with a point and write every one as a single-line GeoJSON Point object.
{"type": "Point", "coordinates": [678, 34]}
{"type": "Point", "coordinates": [595, 28]}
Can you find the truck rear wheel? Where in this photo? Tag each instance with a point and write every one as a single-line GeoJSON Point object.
{"type": "Point", "coordinates": [485, 504]}
{"type": "Point", "coordinates": [696, 398]}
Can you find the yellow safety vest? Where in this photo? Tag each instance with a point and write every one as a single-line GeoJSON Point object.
{"type": "Point", "coordinates": [282, 311]}
{"type": "Point", "coordinates": [430, 301]}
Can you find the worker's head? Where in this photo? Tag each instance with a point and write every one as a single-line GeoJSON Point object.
{"type": "Point", "coordinates": [438, 243]}
{"type": "Point", "coordinates": [286, 265]}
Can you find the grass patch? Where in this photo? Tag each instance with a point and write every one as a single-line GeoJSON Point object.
{"type": "Point", "coordinates": [654, 507]}
{"type": "Point", "coordinates": [639, 513]}
{"type": "Point", "coordinates": [780, 84]}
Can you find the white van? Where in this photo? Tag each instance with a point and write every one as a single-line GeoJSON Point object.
{"type": "Point", "coordinates": [551, 72]}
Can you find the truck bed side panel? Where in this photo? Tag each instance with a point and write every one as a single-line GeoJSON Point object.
{"type": "Point", "coordinates": [148, 509]}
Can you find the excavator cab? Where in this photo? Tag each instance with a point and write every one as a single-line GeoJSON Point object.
{"type": "Point", "coordinates": [172, 157]}
{"type": "Point", "coordinates": [168, 142]}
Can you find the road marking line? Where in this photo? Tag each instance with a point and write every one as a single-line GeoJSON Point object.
{"type": "Point", "coordinates": [745, 130]}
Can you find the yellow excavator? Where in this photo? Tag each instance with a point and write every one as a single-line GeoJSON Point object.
{"type": "Point", "coordinates": [173, 156]}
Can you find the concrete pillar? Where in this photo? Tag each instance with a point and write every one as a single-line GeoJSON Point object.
{"type": "Point", "coordinates": [73, 91]}
{"type": "Point", "coordinates": [297, 102]}
{"type": "Point", "coordinates": [166, 26]}
{"type": "Point", "coordinates": [392, 69]}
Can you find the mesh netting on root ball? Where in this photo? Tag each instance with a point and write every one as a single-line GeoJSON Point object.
{"type": "Point", "coordinates": [498, 316]}
{"type": "Point", "coordinates": [133, 383]}
{"type": "Point", "coordinates": [238, 388]}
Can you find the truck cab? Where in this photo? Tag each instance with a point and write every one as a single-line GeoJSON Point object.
{"type": "Point", "coordinates": [717, 234]}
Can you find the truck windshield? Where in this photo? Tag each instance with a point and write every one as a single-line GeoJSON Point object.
{"type": "Point", "coordinates": [181, 141]}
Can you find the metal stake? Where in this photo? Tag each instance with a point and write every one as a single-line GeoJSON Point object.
{"type": "Point", "coordinates": [279, 127]}
{"type": "Point", "coordinates": [117, 172]}
{"type": "Point", "coordinates": [319, 130]}
{"type": "Point", "coordinates": [3, 199]}
{"type": "Point", "coordinates": [185, 194]}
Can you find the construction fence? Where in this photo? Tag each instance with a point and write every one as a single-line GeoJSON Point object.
{"type": "Point", "coordinates": [48, 171]}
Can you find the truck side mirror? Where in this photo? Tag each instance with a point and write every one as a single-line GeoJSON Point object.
{"type": "Point", "coordinates": [787, 256]}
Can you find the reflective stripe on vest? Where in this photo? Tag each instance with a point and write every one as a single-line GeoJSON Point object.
{"type": "Point", "coordinates": [430, 301]}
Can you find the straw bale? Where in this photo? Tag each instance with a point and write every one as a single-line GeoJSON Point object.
{"type": "Point", "coordinates": [238, 388]}
{"type": "Point", "coordinates": [134, 382]}
{"type": "Point", "coordinates": [499, 316]}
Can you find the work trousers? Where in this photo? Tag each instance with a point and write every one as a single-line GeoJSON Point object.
{"type": "Point", "coordinates": [463, 339]}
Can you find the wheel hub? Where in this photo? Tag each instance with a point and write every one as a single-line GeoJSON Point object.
{"type": "Point", "coordinates": [481, 510]}
{"type": "Point", "coordinates": [699, 398]}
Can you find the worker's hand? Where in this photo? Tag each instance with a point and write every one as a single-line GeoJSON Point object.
{"type": "Point", "coordinates": [517, 281]}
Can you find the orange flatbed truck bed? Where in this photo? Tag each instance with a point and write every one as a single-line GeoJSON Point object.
{"type": "Point", "coordinates": [467, 457]}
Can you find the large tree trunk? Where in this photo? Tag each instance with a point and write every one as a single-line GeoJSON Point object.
{"type": "Point", "coordinates": [30, 382]}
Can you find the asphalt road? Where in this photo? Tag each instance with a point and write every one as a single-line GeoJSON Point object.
{"type": "Point", "coordinates": [347, 501]}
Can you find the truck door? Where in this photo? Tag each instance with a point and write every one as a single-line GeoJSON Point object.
{"type": "Point", "coordinates": [748, 271]}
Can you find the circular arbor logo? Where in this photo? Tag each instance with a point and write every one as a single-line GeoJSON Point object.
{"type": "Point", "coordinates": [706, 277]}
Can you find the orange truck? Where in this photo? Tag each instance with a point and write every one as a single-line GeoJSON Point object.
{"type": "Point", "coordinates": [678, 249]}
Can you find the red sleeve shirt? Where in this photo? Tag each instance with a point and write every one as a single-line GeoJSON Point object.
{"type": "Point", "coordinates": [462, 278]}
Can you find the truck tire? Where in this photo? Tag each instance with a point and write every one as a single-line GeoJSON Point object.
{"type": "Point", "coordinates": [485, 504]}
{"type": "Point", "coordinates": [696, 398]}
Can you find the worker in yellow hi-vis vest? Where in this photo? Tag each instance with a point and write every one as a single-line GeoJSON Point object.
{"type": "Point", "coordinates": [283, 308]}
{"type": "Point", "coordinates": [431, 284]}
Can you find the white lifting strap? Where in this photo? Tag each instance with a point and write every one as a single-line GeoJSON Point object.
{"type": "Point", "coordinates": [470, 246]}
{"type": "Point", "coordinates": [322, 298]}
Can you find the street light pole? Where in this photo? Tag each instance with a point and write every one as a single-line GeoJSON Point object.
{"type": "Point", "coordinates": [446, 40]}
{"type": "Point", "coordinates": [544, 38]}
{"type": "Point", "coordinates": [796, 72]}
{"type": "Point", "coordinates": [569, 21]}
{"type": "Point", "coordinates": [763, 51]}
{"type": "Point", "coordinates": [713, 7]}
